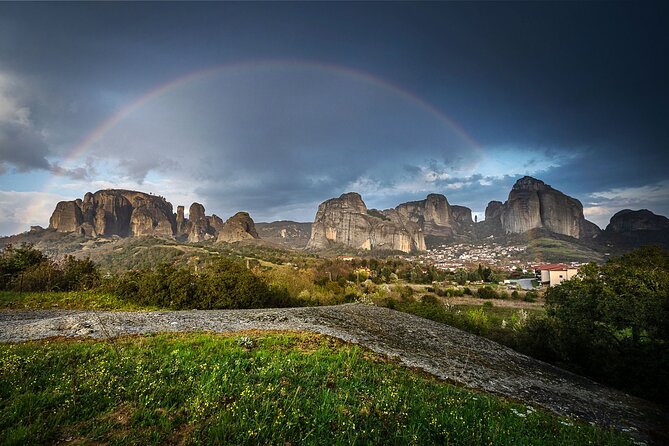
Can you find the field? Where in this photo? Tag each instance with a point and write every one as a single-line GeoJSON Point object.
{"type": "Point", "coordinates": [70, 300]}
{"type": "Point", "coordinates": [255, 388]}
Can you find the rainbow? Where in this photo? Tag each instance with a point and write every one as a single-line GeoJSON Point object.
{"type": "Point", "coordinates": [99, 132]}
{"type": "Point", "coordinates": [111, 122]}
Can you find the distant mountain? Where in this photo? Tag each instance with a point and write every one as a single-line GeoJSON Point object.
{"type": "Point", "coordinates": [290, 234]}
{"type": "Point", "coordinates": [633, 228]}
{"type": "Point", "coordinates": [346, 221]}
{"type": "Point", "coordinates": [533, 213]}
{"type": "Point", "coordinates": [532, 204]}
{"type": "Point", "coordinates": [126, 213]}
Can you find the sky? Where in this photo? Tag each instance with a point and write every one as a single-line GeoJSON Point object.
{"type": "Point", "coordinates": [275, 107]}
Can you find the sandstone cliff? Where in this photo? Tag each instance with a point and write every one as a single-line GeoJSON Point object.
{"type": "Point", "coordinates": [347, 221]}
{"type": "Point", "coordinates": [115, 212]}
{"type": "Point", "coordinates": [636, 228]}
{"type": "Point", "coordinates": [628, 221]}
{"type": "Point", "coordinates": [239, 227]}
{"type": "Point", "coordinates": [126, 213]}
{"type": "Point", "coordinates": [533, 204]}
{"type": "Point", "coordinates": [199, 226]}
{"type": "Point", "coordinates": [433, 214]}
{"type": "Point", "coordinates": [437, 218]}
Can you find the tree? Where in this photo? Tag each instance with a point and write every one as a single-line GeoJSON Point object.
{"type": "Point", "coordinates": [612, 321]}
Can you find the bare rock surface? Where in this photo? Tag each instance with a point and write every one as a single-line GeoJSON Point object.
{"type": "Point", "coordinates": [238, 228]}
{"type": "Point", "coordinates": [347, 221]}
{"type": "Point", "coordinates": [446, 352]}
{"type": "Point", "coordinates": [115, 212]}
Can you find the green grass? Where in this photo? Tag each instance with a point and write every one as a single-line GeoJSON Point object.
{"type": "Point", "coordinates": [80, 300]}
{"type": "Point", "coordinates": [554, 250]}
{"type": "Point", "coordinates": [273, 388]}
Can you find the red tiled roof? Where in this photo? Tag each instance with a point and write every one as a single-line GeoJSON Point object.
{"type": "Point", "coordinates": [554, 267]}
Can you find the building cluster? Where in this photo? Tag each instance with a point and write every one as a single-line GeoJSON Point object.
{"type": "Point", "coordinates": [463, 255]}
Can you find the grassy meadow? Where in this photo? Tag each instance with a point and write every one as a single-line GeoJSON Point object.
{"type": "Point", "coordinates": [251, 388]}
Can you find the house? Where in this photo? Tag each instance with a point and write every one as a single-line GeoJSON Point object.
{"type": "Point", "coordinates": [554, 273]}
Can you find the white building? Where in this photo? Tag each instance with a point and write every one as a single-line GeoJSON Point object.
{"type": "Point", "coordinates": [554, 274]}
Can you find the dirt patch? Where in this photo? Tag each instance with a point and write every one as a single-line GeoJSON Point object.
{"type": "Point", "coordinates": [443, 351]}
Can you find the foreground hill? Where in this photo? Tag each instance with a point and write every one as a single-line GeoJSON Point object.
{"type": "Point", "coordinates": [441, 350]}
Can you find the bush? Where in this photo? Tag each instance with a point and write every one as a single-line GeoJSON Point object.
{"type": "Point", "coordinates": [611, 323]}
{"type": "Point", "coordinates": [27, 269]}
{"type": "Point", "coordinates": [467, 291]}
{"type": "Point", "coordinates": [531, 296]}
{"type": "Point", "coordinates": [515, 294]}
{"type": "Point", "coordinates": [223, 284]}
{"type": "Point", "coordinates": [487, 292]}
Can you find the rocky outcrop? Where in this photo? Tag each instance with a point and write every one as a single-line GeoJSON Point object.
{"type": "Point", "coordinates": [347, 221]}
{"type": "Point", "coordinates": [126, 213]}
{"type": "Point", "coordinates": [199, 226]}
{"type": "Point", "coordinates": [182, 227]}
{"type": "Point", "coordinates": [67, 217]}
{"type": "Point", "coordinates": [433, 215]}
{"type": "Point", "coordinates": [215, 223]}
{"type": "Point", "coordinates": [629, 228]}
{"type": "Point", "coordinates": [462, 216]}
{"type": "Point", "coordinates": [533, 204]}
{"type": "Point", "coordinates": [627, 222]}
{"type": "Point", "coordinates": [238, 228]}
{"type": "Point", "coordinates": [115, 212]}
{"type": "Point", "coordinates": [494, 210]}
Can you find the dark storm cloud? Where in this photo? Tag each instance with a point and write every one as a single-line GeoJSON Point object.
{"type": "Point", "coordinates": [583, 84]}
{"type": "Point", "coordinates": [22, 147]}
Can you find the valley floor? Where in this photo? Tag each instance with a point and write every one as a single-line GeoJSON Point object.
{"type": "Point", "coordinates": [441, 350]}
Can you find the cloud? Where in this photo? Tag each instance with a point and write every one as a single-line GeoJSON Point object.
{"type": "Point", "coordinates": [24, 209]}
{"type": "Point", "coordinates": [22, 145]}
{"type": "Point", "coordinates": [603, 204]}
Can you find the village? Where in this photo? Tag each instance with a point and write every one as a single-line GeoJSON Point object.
{"type": "Point", "coordinates": [506, 259]}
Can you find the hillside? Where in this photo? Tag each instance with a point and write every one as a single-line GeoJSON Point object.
{"type": "Point", "coordinates": [441, 350]}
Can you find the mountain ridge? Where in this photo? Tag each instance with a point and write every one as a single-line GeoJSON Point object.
{"type": "Point", "coordinates": [347, 222]}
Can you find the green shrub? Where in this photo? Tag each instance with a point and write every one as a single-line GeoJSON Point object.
{"type": "Point", "coordinates": [487, 292]}
{"type": "Point", "coordinates": [27, 269]}
{"type": "Point", "coordinates": [530, 296]}
{"type": "Point", "coordinates": [222, 284]}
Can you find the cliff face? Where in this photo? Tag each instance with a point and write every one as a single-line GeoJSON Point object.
{"type": "Point", "coordinates": [627, 222]}
{"type": "Point", "coordinates": [436, 217]}
{"type": "Point", "coordinates": [115, 212]}
{"type": "Point", "coordinates": [346, 220]}
{"type": "Point", "coordinates": [238, 228]}
{"type": "Point", "coordinates": [630, 229]}
{"type": "Point", "coordinates": [433, 214]}
{"type": "Point", "coordinates": [534, 204]}
{"type": "Point", "coordinates": [127, 213]}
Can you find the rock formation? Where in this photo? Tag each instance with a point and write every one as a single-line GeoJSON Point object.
{"type": "Point", "coordinates": [627, 222]}
{"type": "Point", "coordinates": [347, 221]}
{"type": "Point", "coordinates": [67, 217]}
{"type": "Point", "coordinates": [462, 217]}
{"type": "Point", "coordinates": [199, 226]}
{"type": "Point", "coordinates": [493, 211]}
{"type": "Point", "coordinates": [533, 204]}
{"type": "Point", "coordinates": [636, 228]}
{"type": "Point", "coordinates": [115, 212]}
{"type": "Point", "coordinates": [239, 227]}
{"type": "Point", "coordinates": [127, 213]}
{"type": "Point", "coordinates": [432, 214]}
{"type": "Point", "coordinates": [437, 218]}
{"type": "Point", "coordinates": [181, 222]}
